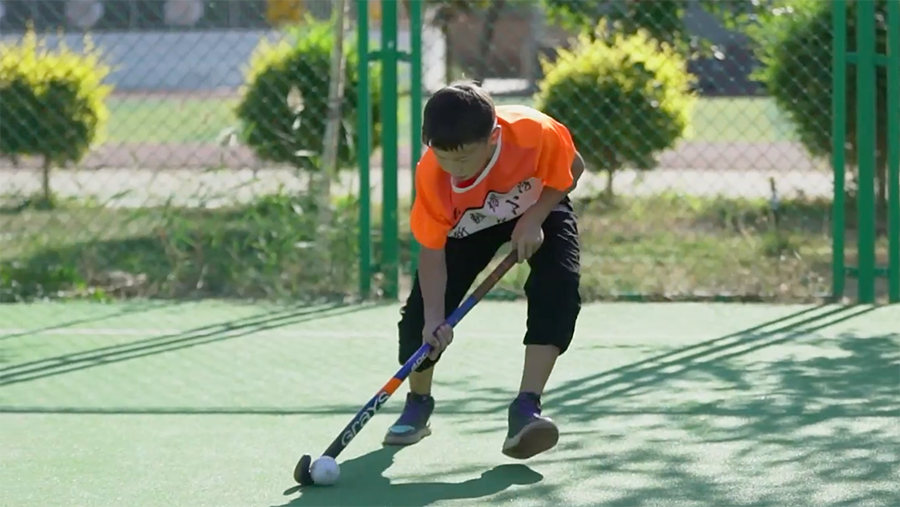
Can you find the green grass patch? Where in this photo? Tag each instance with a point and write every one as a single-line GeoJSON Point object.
{"type": "Point", "coordinates": [674, 247]}
{"type": "Point", "coordinates": [664, 247]}
{"type": "Point", "coordinates": [265, 250]}
{"type": "Point", "coordinates": [168, 120]}
{"type": "Point", "coordinates": [198, 119]}
{"type": "Point", "coordinates": [671, 247]}
{"type": "Point", "coordinates": [744, 119]}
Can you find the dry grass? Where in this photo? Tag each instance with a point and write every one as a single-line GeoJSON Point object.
{"type": "Point", "coordinates": [662, 248]}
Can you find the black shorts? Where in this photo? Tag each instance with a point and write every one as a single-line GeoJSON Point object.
{"type": "Point", "coordinates": [552, 286]}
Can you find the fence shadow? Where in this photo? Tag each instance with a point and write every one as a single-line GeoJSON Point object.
{"type": "Point", "coordinates": [67, 363]}
{"type": "Point", "coordinates": [824, 413]}
{"type": "Point", "coordinates": [627, 377]}
{"type": "Point", "coordinates": [586, 393]}
{"type": "Point", "coordinates": [130, 309]}
{"type": "Point", "coordinates": [569, 397]}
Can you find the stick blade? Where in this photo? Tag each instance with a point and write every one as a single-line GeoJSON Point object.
{"type": "Point", "coordinates": [301, 471]}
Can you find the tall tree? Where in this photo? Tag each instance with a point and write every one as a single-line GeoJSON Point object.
{"type": "Point", "coordinates": [443, 12]}
{"type": "Point", "coordinates": [665, 20]}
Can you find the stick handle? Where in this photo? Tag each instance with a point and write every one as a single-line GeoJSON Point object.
{"type": "Point", "coordinates": [483, 288]}
{"type": "Point", "coordinates": [368, 411]}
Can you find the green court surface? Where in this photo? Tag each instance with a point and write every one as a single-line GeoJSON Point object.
{"type": "Point", "coordinates": [671, 405]}
{"type": "Point", "coordinates": [201, 119]}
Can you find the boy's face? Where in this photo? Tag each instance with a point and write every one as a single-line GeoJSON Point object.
{"type": "Point", "coordinates": [469, 160]}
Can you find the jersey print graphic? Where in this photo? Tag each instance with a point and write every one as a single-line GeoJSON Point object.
{"type": "Point", "coordinates": [498, 208]}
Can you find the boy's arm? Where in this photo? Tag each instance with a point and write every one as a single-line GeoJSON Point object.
{"type": "Point", "coordinates": [577, 171]}
{"type": "Point", "coordinates": [433, 282]}
{"type": "Point", "coordinates": [430, 228]}
{"type": "Point", "coordinates": [550, 196]}
{"type": "Point", "coordinates": [560, 166]}
{"type": "Point", "coordinates": [431, 233]}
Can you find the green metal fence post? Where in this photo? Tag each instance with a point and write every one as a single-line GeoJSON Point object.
{"type": "Point", "coordinates": [363, 124]}
{"type": "Point", "coordinates": [389, 149]}
{"type": "Point", "coordinates": [415, 99]}
{"type": "Point", "coordinates": [865, 146]}
{"type": "Point", "coordinates": [893, 133]}
{"type": "Point", "coordinates": [838, 140]}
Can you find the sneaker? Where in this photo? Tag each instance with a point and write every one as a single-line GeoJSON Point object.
{"type": "Point", "coordinates": [412, 425]}
{"type": "Point", "coordinates": [529, 432]}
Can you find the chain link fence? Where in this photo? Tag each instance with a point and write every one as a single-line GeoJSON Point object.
{"type": "Point", "coordinates": [733, 205]}
{"type": "Point", "coordinates": [172, 201]}
{"type": "Point", "coordinates": [169, 201]}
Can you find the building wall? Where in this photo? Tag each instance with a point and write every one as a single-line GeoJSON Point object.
{"type": "Point", "coordinates": [509, 55]}
{"type": "Point", "coordinates": [210, 60]}
{"type": "Point", "coordinates": [207, 59]}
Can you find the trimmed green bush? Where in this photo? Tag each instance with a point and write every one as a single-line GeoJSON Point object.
{"type": "Point", "coordinates": [276, 130]}
{"type": "Point", "coordinates": [53, 102]}
{"type": "Point", "coordinates": [795, 48]}
{"type": "Point", "coordinates": [625, 99]}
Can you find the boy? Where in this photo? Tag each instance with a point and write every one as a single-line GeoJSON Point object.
{"type": "Point", "coordinates": [491, 175]}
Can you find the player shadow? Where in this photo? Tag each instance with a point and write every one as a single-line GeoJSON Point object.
{"type": "Point", "coordinates": [363, 484]}
{"type": "Point", "coordinates": [217, 332]}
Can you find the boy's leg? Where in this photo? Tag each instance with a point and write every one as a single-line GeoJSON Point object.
{"type": "Point", "coordinates": [553, 307]}
{"type": "Point", "coordinates": [466, 258]}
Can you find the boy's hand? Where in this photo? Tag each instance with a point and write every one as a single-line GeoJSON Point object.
{"type": "Point", "coordinates": [440, 339]}
{"type": "Point", "coordinates": [527, 237]}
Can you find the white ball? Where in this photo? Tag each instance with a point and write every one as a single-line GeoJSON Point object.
{"type": "Point", "coordinates": [325, 471]}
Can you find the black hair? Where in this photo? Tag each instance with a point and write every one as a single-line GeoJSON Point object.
{"type": "Point", "coordinates": [458, 114]}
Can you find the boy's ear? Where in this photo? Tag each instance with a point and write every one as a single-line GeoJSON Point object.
{"type": "Point", "coordinates": [495, 134]}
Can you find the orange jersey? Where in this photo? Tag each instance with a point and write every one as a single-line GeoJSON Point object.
{"type": "Point", "coordinates": [533, 151]}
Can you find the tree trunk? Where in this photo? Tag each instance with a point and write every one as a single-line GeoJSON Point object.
{"type": "Point", "coordinates": [448, 54]}
{"type": "Point", "coordinates": [491, 17]}
{"type": "Point", "coordinates": [882, 220]}
{"type": "Point", "coordinates": [330, 163]}
{"type": "Point", "coordinates": [45, 182]}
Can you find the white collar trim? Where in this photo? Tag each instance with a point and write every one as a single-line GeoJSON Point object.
{"type": "Point", "coordinates": [484, 173]}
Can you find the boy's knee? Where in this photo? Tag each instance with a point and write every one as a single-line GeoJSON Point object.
{"type": "Point", "coordinates": [554, 304]}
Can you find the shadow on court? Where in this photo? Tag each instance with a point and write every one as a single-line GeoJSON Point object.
{"type": "Point", "coordinates": [330, 410]}
{"type": "Point", "coordinates": [130, 309]}
{"type": "Point", "coordinates": [364, 485]}
{"type": "Point", "coordinates": [782, 402]}
{"type": "Point", "coordinates": [821, 412]}
{"type": "Point", "coordinates": [576, 401]}
{"type": "Point", "coordinates": [571, 398]}
{"type": "Point", "coordinates": [67, 363]}
{"type": "Point", "coordinates": [646, 375]}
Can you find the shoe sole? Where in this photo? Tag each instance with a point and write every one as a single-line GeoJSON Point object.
{"type": "Point", "coordinates": [533, 439]}
{"type": "Point", "coordinates": [414, 438]}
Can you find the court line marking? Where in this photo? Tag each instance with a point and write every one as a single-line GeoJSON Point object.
{"type": "Point", "coordinates": [187, 333]}
{"type": "Point", "coordinates": [149, 332]}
